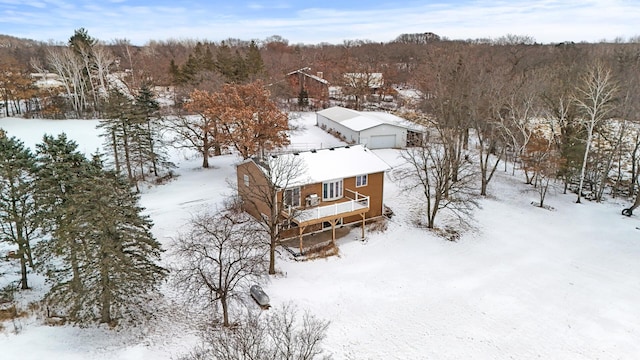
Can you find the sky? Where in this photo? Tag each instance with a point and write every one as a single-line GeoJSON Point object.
{"type": "Point", "coordinates": [314, 22]}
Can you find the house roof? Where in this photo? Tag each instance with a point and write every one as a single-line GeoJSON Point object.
{"type": "Point", "coordinates": [374, 80]}
{"type": "Point", "coordinates": [330, 164]}
{"type": "Point", "coordinates": [362, 120]}
{"type": "Point", "coordinates": [314, 77]}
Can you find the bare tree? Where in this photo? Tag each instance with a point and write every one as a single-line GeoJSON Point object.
{"type": "Point", "coordinates": [217, 257]}
{"type": "Point", "coordinates": [280, 334]}
{"type": "Point", "coordinates": [543, 161]}
{"type": "Point", "coordinates": [595, 98]}
{"type": "Point", "coordinates": [430, 170]}
{"type": "Point", "coordinates": [68, 67]}
{"type": "Point", "coordinates": [261, 188]}
{"type": "Point", "coordinates": [517, 116]}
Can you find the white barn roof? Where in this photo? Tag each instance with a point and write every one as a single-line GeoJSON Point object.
{"type": "Point", "coordinates": [358, 121]}
{"type": "Point", "coordinates": [330, 164]}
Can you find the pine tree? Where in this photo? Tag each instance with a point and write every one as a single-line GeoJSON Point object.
{"type": "Point", "coordinates": [122, 272]}
{"type": "Point", "coordinates": [174, 71]}
{"type": "Point", "coordinates": [226, 63]}
{"type": "Point", "coordinates": [80, 41]}
{"type": "Point", "coordinates": [59, 174]}
{"type": "Point", "coordinates": [153, 150]}
{"type": "Point", "coordinates": [101, 256]}
{"type": "Point", "coordinates": [253, 62]}
{"type": "Point", "coordinates": [116, 127]}
{"type": "Point", "coordinates": [18, 211]}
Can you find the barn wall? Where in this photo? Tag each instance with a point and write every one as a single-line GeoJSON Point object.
{"type": "Point", "coordinates": [352, 137]}
{"type": "Point", "coordinates": [385, 129]}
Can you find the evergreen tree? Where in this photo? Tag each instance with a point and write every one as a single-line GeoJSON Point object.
{"type": "Point", "coordinates": [132, 134]}
{"type": "Point", "coordinates": [116, 127]}
{"type": "Point", "coordinates": [146, 110]}
{"type": "Point", "coordinates": [253, 62]}
{"type": "Point", "coordinates": [18, 211]}
{"type": "Point", "coordinates": [80, 41]}
{"type": "Point", "coordinates": [303, 99]}
{"type": "Point", "coordinates": [59, 174]}
{"type": "Point", "coordinates": [240, 73]}
{"type": "Point", "coordinates": [121, 253]}
{"type": "Point", "coordinates": [226, 63]}
{"type": "Point", "coordinates": [101, 256]}
{"type": "Point", "coordinates": [174, 71]}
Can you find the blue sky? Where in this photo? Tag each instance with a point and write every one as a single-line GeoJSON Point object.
{"type": "Point", "coordinates": [313, 22]}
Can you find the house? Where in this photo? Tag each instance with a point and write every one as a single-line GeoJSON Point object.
{"type": "Point", "coordinates": [315, 85]}
{"type": "Point", "coordinates": [357, 85]}
{"type": "Point", "coordinates": [374, 129]}
{"type": "Point", "coordinates": [372, 81]}
{"type": "Point", "coordinates": [329, 188]}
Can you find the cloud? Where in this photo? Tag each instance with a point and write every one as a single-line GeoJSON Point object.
{"type": "Point", "coordinates": [544, 20]}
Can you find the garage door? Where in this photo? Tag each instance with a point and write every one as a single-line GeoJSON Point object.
{"type": "Point", "coordinates": [382, 142]}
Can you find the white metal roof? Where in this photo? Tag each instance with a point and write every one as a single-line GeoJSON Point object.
{"type": "Point", "coordinates": [362, 120]}
{"type": "Point", "coordinates": [330, 164]}
{"type": "Point", "coordinates": [314, 77]}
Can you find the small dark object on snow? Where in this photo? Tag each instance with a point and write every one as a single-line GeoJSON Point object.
{"type": "Point", "coordinates": [259, 296]}
{"type": "Point", "coordinates": [629, 211]}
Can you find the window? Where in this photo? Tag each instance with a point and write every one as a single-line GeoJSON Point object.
{"type": "Point", "coordinates": [332, 190]}
{"type": "Point", "coordinates": [246, 180]}
{"type": "Point", "coordinates": [292, 197]}
{"type": "Point", "coordinates": [361, 180]}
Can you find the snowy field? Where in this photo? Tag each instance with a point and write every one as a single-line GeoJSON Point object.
{"type": "Point", "coordinates": [525, 283]}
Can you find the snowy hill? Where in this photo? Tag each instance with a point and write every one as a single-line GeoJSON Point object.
{"type": "Point", "coordinates": [524, 283]}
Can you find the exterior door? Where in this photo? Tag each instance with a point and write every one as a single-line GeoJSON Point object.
{"type": "Point", "coordinates": [382, 142]}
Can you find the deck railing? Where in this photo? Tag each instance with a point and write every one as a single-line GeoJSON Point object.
{"type": "Point", "coordinates": [357, 202]}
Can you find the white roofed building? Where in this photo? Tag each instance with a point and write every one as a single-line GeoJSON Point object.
{"type": "Point", "coordinates": [328, 188]}
{"type": "Point", "coordinates": [374, 129]}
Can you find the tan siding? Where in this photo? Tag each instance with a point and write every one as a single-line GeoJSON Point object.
{"type": "Point", "coordinates": [251, 200]}
{"type": "Point", "coordinates": [256, 206]}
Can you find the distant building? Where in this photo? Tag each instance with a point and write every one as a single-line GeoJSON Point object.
{"type": "Point", "coordinates": [372, 81]}
{"type": "Point", "coordinates": [374, 129]}
{"type": "Point", "coordinates": [316, 87]}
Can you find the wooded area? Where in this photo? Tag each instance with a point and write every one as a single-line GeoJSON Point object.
{"type": "Point", "coordinates": [560, 112]}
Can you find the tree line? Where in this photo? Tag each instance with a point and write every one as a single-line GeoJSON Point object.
{"type": "Point", "coordinates": [566, 114]}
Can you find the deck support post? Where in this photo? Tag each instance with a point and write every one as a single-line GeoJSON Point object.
{"type": "Point", "coordinates": [301, 230]}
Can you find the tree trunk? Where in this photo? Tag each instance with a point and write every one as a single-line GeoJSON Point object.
{"type": "Point", "coordinates": [105, 310]}
{"type": "Point", "coordinates": [116, 157]}
{"type": "Point", "coordinates": [152, 151]}
{"type": "Point", "coordinates": [584, 163]}
{"type": "Point", "coordinates": [225, 311]}
{"type": "Point", "coordinates": [273, 233]}
{"type": "Point", "coordinates": [205, 151]}
{"type": "Point", "coordinates": [127, 155]}
{"type": "Point", "coordinates": [23, 267]}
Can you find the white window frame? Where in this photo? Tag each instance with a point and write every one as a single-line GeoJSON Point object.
{"type": "Point", "coordinates": [294, 200]}
{"type": "Point", "coordinates": [332, 190]}
{"type": "Point", "coordinates": [362, 180]}
{"type": "Point", "coordinates": [246, 180]}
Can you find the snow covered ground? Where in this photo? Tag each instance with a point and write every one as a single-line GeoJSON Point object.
{"type": "Point", "coordinates": [524, 283]}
